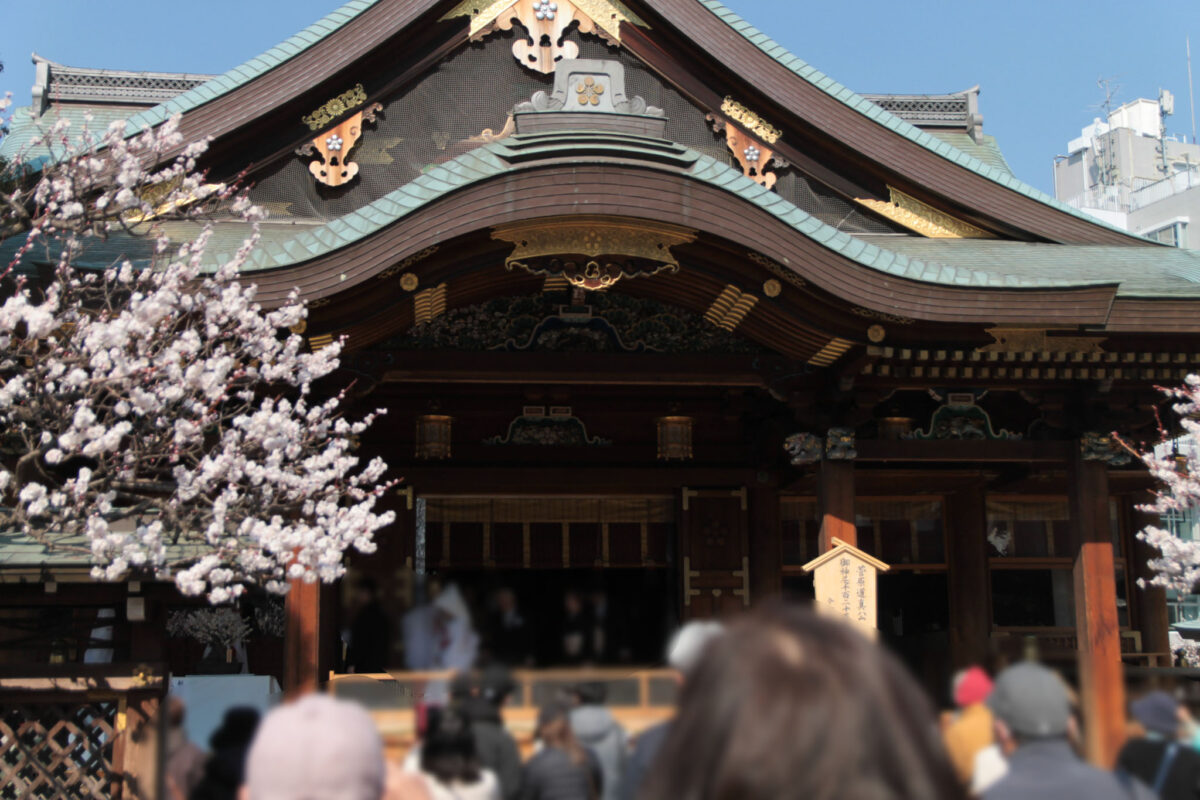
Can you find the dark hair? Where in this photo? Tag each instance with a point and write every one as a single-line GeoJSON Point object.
{"type": "Point", "coordinates": [237, 728]}
{"type": "Point", "coordinates": [790, 704]}
{"type": "Point", "coordinates": [448, 749]}
{"type": "Point", "coordinates": [554, 729]}
{"type": "Point", "coordinates": [591, 693]}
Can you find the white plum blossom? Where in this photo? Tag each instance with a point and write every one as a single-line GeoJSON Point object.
{"type": "Point", "coordinates": [155, 417]}
{"type": "Point", "coordinates": [1176, 467]}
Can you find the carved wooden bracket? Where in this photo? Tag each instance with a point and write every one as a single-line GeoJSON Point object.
{"type": "Point", "coordinates": [333, 147]}
{"type": "Point", "coordinates": [546, 22]}
{"type": "Point", "coordinates": [752, 150]}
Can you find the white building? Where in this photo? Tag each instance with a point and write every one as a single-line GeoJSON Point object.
{"type": "Point", "coordinates": [1126, 171]}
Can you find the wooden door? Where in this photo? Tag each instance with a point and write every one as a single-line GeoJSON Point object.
{"type": "Point", "coordinates": [713, 543]}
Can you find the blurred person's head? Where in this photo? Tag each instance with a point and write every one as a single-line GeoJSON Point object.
{"type": "Point", "coordinates": [791, 704]}
{"type": "Point", "coordinates": [237, 728]}
{"type": "Point", "coordinates": [496, 684]}
{"type": "Point", "coordinates": [448, 748]}
{"type": "Point", "coordinates": [573, 603]}
{"type": "Point", "coordinates": [554, 731]}
{"type": "Point", "coordinates": [1158, 713]}
{"type": "Point", "coordinates": [506, 600]}
{"type": "Point", "coordinates": [971, 686]}
{"type": "Point", "coordinates": [176, 712]}
{"type": "Point", "coordinates": [464, 685]}
{"type": "Point", "coordinates": [366, 591]}
{"type": "Point", "coordinates": [1030, 703]}
{"type": "Point", "coordinates": [589, 693]}
{"type": "Point", "coordinates": [688, 643]}
{"type": "Point", "coordinates": [318, 748]}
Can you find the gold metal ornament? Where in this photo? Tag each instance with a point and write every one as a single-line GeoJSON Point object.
{"type": "Point", "coordinates": [334, 108]}
{"type": "Point", "coordinates": [923, 218]}
{"type": "Point", "coordinates": [876, 334]}
{"type": "Point", "coordinates": [409, 282]}
{"type": "Point", "coordinates": [772, 287]}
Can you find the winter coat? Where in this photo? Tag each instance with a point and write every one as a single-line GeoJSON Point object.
{"type": "Point", "coordinates": [486, 788]}
{"type": "Point", "coordinates": [1143, 758]}
{"type": "Point", "coordinates": [645, 749]}
{"type": "Point", "coordinates": [551, 775]}
{"type": "Point", "coordinates": [494, 745]}
{"type": "Point", "coordinates": [1050, 770]}
{"type": "Point", "coordinates": [597, 729]}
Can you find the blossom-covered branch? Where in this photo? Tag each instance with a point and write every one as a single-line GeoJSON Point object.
{"type": "Point", "coordinates": [1177, 470]}
{"type": "Point", "coordinates": [154, 416]}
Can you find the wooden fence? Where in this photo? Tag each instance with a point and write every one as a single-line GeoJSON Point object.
{"type": "Point", "coordinates": [81, 731]}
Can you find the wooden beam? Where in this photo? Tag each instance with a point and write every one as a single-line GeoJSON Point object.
{"type": "Point", "coordinates": [301, 641]}
{"type": "Point", "coordinates": [962, 451]}
{"type": "Point", "coordinates": [836, 498]}
{"type": "Point", "coordinates": [1101, 682]}
{"type": "Point", "coordinates": [967, 576]}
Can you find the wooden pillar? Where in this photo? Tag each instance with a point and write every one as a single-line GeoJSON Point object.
{"type": "Point", "coordinates": [967, 579]}
{"type": "Point", "coordinates": [836, 498]}
{"type": "Point", "coordinates": [766, 556]}
{"type": "Point", "coordinates": [302, 640]}
{"type": "Point", "coordinates": [141, 757]}
{"type": "Point", "coordinates": [1101, 679]}
{"type": "Point", "coordinates": [1150, 602]}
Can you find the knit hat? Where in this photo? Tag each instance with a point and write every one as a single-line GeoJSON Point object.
{"type": "Point", "coordinates": [318, 748]}
{"type": "Point", "coordinates": [1157, 712]}
{"type": "Point", "coordinates": [973, 686]}
{"type": "Point", "coordinates": [688, 643]}
{"type": "Point", "coordinates": [1031, 700]}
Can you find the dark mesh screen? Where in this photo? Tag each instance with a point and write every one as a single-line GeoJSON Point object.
{"type": "Point", "coordinates": [444, 114]}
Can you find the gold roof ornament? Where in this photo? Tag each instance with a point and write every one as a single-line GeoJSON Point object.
{"type": "Point", "coordinates": [923, 218]}
{"type": "Point", "coordinates": [546, 21]}
{"type": "Point", "coordinates": [593, 253]}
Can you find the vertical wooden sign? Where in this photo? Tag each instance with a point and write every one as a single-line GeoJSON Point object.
{"type": "Point", "coordinates": [847, 586]}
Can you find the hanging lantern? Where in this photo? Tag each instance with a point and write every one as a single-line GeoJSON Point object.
{"type": "Point", "coordinates": [433, 436]}
{"type": "Point", "coordinates": [675, 438]}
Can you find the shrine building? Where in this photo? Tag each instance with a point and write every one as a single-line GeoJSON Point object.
{"type": "Point", "coordinates": [658, 310]}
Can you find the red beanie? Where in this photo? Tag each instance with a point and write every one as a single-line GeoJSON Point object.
{"type": "Point", "coordinates": [974, 687]}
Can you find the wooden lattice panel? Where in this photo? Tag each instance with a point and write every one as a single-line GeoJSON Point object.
{"type": "Point", "coordinates": [56, 750]}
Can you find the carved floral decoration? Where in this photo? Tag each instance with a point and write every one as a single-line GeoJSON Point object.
{"type": "Point", "coordinates": [559, 428]}
{"type": "Point", "coordinates": [332, 148]}
{"type": "Point", "coordinates": [549, 322]}
{"type": "Point", "coordinates": [546, 23]}
{"type": "Point", "coordinates": [748, 136]}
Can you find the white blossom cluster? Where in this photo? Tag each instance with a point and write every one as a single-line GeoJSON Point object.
{"type": "Point", "coordinates": [156, 417]}
{"type": "Point", "coordinates": [1178, 564]}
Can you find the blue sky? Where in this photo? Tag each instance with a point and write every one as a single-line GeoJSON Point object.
{"type": "Point", "coordinates": [1037, 62]}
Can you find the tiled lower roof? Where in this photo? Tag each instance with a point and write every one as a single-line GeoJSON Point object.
{"type": "Point", "coordinates": [1140, 271]}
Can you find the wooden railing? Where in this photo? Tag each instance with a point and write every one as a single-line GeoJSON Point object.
{"type": "Point", "coordinates": [638, 698]}
{"type": "Point", "coordinates": [84, 731]}
{"type": "Point", "coordinates": [1062, 644]}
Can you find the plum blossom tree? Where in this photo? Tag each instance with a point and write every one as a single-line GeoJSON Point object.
{"type": "Point", "coordinates": [1177, 470]}
{"type": "Point", "coordinates": [153, 416]}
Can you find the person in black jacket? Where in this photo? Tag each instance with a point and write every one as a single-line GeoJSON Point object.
{"type": "Point", "coordinates": [1159, 759]}
{"type": "Point", "coordinates": [371, 631]}
{"type": "Point", "coordinates": [480, 696]}
{"type": "Point", "coordinates": [563, 769]}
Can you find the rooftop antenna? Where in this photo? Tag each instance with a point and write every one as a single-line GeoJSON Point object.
{"type": "Point", "coordinates": [1106, 167]}
{"type": "Point", "coordinates": [1191, 94]}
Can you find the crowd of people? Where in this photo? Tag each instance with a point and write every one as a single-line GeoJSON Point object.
{"type": "Point", "coordinates": [780, 703]}
{"type": "Point", "coordinates": [452, 628]}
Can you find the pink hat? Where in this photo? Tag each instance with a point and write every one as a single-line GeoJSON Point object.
{"type": "Point", "coordinates": [973, 687]}
{"type": "Point", "coordinates": [317, 748]}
